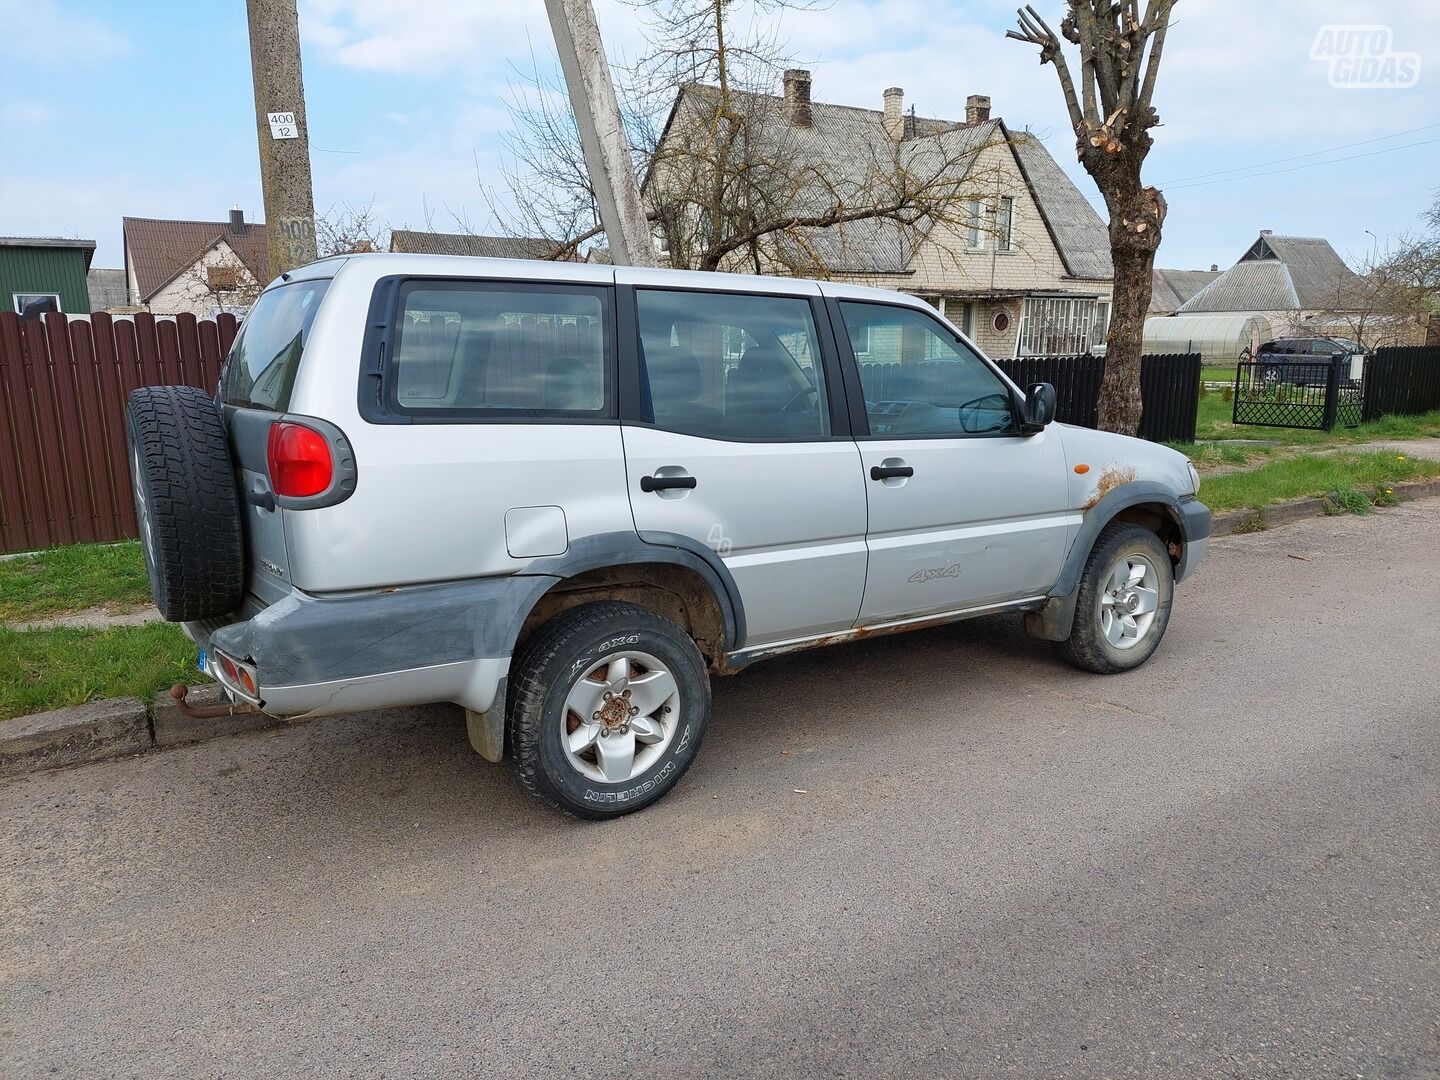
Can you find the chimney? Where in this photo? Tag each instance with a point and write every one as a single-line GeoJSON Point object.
{"type": "Point", "coordinates": [797, 97]}
{"type": "Point", "coordinates": [237, 221]}
{"type": "Point", "coordinates": [1214, 268]}
{"type": "Point", "coordinates": [1267, 232]}
{"type": "Point", "coordinates": [895, 113]}
{"type": "Point", "coordinates": [977, 109]}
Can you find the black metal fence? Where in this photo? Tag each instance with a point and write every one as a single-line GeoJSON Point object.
{"type": "Point", "coordinates": [1402, 381]}
{"type": "Point", "coordinates": [1315, 394]}
{"type": "Point", "coordinates": [1169, 390]}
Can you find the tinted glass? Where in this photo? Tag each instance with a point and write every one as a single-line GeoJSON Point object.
{"type": "Point", "coordinates": [260, 371]}
{"type": "Point", "coordinates": [726, 365]}
{"type": "Point", "coordinates": [502, 349]}
{"type": "Point", "coordinates": [919, 379]}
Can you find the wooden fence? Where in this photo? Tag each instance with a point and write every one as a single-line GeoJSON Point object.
{"type": "Point", "coordinates": [63, 386]}
{"type": "Point", "coordinates": [1402, 381]}
{"type": "Point", "coordinates": [1169, 390]}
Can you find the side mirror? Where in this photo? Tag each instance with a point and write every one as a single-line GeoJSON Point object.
{"type": "Point", "coordinates": [1040, 403]}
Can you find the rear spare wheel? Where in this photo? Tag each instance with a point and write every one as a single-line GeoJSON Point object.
{"type": "Point", "coordinates": [185, 502]}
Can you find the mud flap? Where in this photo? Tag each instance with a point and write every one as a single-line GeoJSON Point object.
{"type": "Point", "coordinates": [487, 729]}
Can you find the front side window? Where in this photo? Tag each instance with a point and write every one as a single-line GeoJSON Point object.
{"type": "Point", "coordinates": [731, 366]}
{"type": "Point", "coordinates": [261, 368]}
{"type": "Point", "coordinates": [501, 350]}
{"type": "Point", "coordinates": [921, 379]}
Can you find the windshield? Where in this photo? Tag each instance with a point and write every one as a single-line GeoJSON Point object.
{"type": "Point", "coordinates": [260, 371]}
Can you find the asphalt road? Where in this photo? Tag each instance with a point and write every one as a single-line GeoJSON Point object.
{"type": "Point", "coordinates": [941, 854]}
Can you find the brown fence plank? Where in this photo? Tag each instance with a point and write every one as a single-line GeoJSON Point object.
{"type": "Point", "coordinates": [16, 439]}
{"type": "Point", "coordinates": [172, 372]}
{"type": "Point", "coordinates": [88, 437]}
{"type": "Point", "coordinates": [71, 428]}
{"type": "Point", "coordinates": [210, 357]}
{"type": "Point", "coordinates": [147, 347]}
{"type": "Point", "coordinates": [59, 508]}
{"type": "Point", "coordinates": [192, 371]}
{"type": "Point", "coordinates": [112, 418]}
{"type": "Point", "coordinates": [228, 326]}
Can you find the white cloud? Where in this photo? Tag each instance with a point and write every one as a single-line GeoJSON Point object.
{"type": "Point", "coordinates": [24, 111]}
{"type": "Point", "coordinates": [40, 31]}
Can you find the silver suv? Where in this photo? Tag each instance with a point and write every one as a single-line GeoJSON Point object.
{"type": "Point", "coordinates": [564, 496]}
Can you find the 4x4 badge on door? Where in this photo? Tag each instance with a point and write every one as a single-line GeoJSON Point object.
{"type": "Point", "coordinates": [919, 577]}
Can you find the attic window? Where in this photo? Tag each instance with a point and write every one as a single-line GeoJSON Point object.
{"type": "Point", "coordinates": [221, 278]}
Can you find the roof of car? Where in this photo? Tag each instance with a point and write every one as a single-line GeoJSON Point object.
{"type": "Point", "coordinates": [544, 270]}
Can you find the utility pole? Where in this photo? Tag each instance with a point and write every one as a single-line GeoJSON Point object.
{"type": "Point", "coordinates": [282, 131]}
{"type": "Point", "coordinates": [602, 134]}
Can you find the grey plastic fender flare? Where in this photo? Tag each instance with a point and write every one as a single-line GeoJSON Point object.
{"type": "Point", "coordinates": [1054, 621]}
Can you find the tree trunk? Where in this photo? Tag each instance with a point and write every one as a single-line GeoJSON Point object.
{"type": "Point", "coordinates": [1135, 220]}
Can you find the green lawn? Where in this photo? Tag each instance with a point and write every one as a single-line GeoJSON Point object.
{"type": "Point", "coordinates": [48, 669]}
{"type": "Point", "coordinates": [1213, 373]}
{"type": "Point", "coordinates": [63, 579]}
{"type": "Point", "coordinates": [1213, 422]}
{"type": "Point", "coordinates": [1312, 475]}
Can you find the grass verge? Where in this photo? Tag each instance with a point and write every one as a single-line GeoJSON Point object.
{"type": "Point", "coordinates": [71, 578]}
{"type": "Point", "coordinates": [49, 669]}
{"type": "Point", "coordinates": [1313, 476]}
{"type": "Point", "coordinates": [1213, 422]}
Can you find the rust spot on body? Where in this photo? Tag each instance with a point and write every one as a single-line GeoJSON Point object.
{"type": "Point", "coordinates": [1113, 477]}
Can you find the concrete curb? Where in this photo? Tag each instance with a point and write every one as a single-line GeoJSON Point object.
{"type": "Point", "coordinates": [119, 726]}
{"type": "Point", "coordinates": [115, 727]}
{"type": "Point", "coordinates": [1235, 522]}
{"type": "Point", "coordinates": [83, 733]}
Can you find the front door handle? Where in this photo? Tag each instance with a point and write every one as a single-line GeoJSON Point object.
{"type": "Point", "coordinates": [885, 472]}
{"type": "Point", "coordinates": [663, 483]}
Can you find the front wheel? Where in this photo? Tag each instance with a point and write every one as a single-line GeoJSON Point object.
{"type": "Point", "coordinates": [1124, 601]}
{"type": "Point", "coordinates": [610, 704]}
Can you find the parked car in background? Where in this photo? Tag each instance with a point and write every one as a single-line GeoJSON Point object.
{"type": "Point", "coordinates": [563, 496]}
{"type": "Point", "coordinates": [1295, 360]}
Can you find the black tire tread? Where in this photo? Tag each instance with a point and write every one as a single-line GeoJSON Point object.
{"type": "Point", "coordinates": [198, 566]}
{"type": "Point", "coordinates": [1082, 649]}
{"type": "Point", "coordinates": [534, 664]}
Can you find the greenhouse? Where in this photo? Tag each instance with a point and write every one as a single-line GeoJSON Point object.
{"type": "Point", "coordinates": [1218, 338]}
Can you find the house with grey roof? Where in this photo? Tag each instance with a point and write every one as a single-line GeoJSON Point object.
{"type": "Point", "coordinates": [1294, 275]}
{"type": "Point", "coordinates": [484, 247]}
{"type": "Point", "coordinates": [1171, 288]}
{"type": "Point", "coordinates": [1024, 268]}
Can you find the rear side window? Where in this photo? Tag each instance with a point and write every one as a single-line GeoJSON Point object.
{"type": "Point", "coordinates": [474, 348]}
{"type": "Point", "coordinates": [730, 366]}
{"type": "Point", "coordinates": [260, 371]}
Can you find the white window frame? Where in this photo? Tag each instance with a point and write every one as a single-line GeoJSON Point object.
{"type": "Point", "coordinates": [30, 295]}
{"type": "Point", "coordinates": [975, 225]}
{"type": "Point", "coordinates": [1056, 325]}
{"type": "Point", "coordinates": [1005, 224]}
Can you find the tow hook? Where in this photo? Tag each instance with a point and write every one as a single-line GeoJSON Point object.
{"type": "Point", "coordinates": [208, 712]}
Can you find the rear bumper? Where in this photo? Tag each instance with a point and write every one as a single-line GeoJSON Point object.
{"type": "Point", "coordinates": [318, 655]}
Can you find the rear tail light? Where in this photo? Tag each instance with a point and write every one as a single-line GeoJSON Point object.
{"type": "Point", "coordinates": [299, 457]}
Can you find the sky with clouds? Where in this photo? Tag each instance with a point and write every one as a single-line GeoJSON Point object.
{"type": "Point", "coordinates": [144, 108]}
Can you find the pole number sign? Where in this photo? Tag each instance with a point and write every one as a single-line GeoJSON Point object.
{"type": "Point", "coordinates": [283, 126]}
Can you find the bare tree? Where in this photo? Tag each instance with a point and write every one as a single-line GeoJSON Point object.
{"type": "Point", "coordinates": [350, 230]}
{"type": "Point", "coordinates": [1112, 114]}
{"type": "Point", "coordinates": [728, 180]}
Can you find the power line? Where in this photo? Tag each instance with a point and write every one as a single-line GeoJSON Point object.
{"type": "Point", "coordinates": [1296, 157]}
{"type": "Point", "coordinates": [1307, 165]}
{"type": "Point", "coordinates": [1181, 185]}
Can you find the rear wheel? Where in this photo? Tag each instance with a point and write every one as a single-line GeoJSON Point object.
{"type": "Point", "coordinates": [1123, 606]}
{"type": "Point", "coordinates": [609, 707]}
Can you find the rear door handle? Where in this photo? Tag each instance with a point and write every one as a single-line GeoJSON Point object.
{"type": "Point", "coordinates": [663, 483]}
{"type": "Point", "coordinates": [885, 472]}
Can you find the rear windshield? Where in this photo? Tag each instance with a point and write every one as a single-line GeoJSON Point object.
{"type": "Point", "coordinates": [260, 371]}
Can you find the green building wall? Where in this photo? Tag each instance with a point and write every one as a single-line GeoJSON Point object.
{"type": "Point", "coordinates": [45, 270]}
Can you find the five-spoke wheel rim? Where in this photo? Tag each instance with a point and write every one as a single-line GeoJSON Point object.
{"type": "Point", "coordinates": [619, 717]}
{"type": "Point", "coordinates": [1129, 600]}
